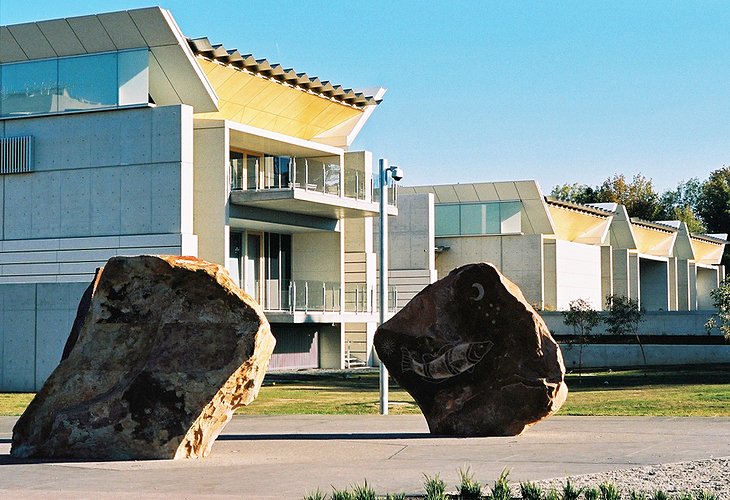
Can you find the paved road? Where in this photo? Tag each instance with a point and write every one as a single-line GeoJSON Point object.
{"type": "Point", "coordinates": [288, 456]}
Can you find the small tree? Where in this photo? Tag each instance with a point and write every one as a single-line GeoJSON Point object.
{"type": "Point", "coordinates": [624, 317]}
{"type": "Point", "coordinates": [583, 318]}
{"type": "Point", "coordinates": [721, 301]}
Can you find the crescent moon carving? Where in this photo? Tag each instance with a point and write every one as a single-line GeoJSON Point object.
{"type": "Point", "coordinates": [480, 292]}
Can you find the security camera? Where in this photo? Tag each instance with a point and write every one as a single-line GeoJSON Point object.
{"type": "Point", "coordinates": [396, 173]}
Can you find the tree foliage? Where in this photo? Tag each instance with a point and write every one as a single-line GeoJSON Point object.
{"type": "Point", "coordinates": [624, 317]}
{"type": "Point", "coordinates": [639, 196]}
{"type": "Point", "coordinates": [575, 193]}
{"type": "Point", "coordinates": [721, 301]}
{"type": "Point", "coordinates": [703, 205]}
{"type": "Point", "coordinates": [682, 204]}
{"type": "Point", "coordinates": [713, 204]}
{"type": "Point", "coordinates": [583, 318]}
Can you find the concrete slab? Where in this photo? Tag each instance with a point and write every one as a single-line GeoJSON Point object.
{"type": "Point", "coordinates": [287, 456]}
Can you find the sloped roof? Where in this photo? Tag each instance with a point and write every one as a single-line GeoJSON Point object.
{"type": "Point", "coordinates": [175, 75]}
{"type": "Point", "coordinates": [202, 47]}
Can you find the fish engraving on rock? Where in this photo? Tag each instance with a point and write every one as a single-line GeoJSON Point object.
{"type": "Point", "coordinates": [449, 362]}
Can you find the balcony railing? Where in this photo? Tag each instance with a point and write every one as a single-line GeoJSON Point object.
{"type": "Point", "coordinates": [361, 298]}
{"type": "Point", "coordinates": [322, 175]}
{"type": "Point", "coordinates": [302, 295]}
{"type": "Point", "coordinates": [323, 296]}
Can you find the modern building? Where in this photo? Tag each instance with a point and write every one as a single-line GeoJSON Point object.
{"type": "Point", "coordinates": [557, 251]}
{"type": "Point", "coordinates": [119, 135]}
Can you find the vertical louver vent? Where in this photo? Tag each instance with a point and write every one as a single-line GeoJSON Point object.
{"type": "Point", "coordinates": [16, 154]}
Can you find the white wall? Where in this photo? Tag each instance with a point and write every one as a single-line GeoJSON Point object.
{"type": "Point", "coordinates": [578, 273]}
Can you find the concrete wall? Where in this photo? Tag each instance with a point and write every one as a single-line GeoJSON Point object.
{"type": "Point", "coordinates": [660, 323]}
{"type": "Point", "coordinates": [99, 181]}
{"type": "Point", "coordinates": [331, 346]}
{"type": "Point", "coordinates": [411, 233]}
{"type": "Point", "coordinates": [612, 355]}
{"type": "Point", "coordinates": [683, 282]}
{"type": "Point", "coordinates": [317, 256]}
{"type": "Point", "coordinates": [518, 257]}
{"type": "Point", "coordinates": [655, 323]}
{"type": "Point", "coordinates": [654, 277]}
{"type": "Point", "coordinates": [578, 271]}
{"type": "Point", "coordinates": [211, 191]}
{"type": "Point", "coordinates": [35, 320]}
{"type": "Point", "coordinates": [707, 280]}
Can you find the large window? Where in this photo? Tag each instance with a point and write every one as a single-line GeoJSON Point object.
{"type": "Point", "coordinates": [465, 219]}
{"type": "Point", "coordinates": [77, 83]}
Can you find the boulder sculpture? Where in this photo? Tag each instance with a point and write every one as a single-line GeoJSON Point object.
{"type": "Point", "coordinates": [475, 356]}
{"type": "Point", "coordinates": [163, 350]}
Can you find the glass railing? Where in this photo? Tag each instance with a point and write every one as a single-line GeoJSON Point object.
{"type": "Point", "coordinates": [323, 296]}
{"type": "Point", "coordinates": [357, 186]}
{"type": "Point", "coordinates": [392, 195]}
{"type": "Point", "coordinates": [302, 295]}
{"type": "Point", "coordinates": [322, 175]}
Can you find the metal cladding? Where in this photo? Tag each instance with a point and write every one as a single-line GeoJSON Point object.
{"type": "Point", "coordinates": [203, 48]}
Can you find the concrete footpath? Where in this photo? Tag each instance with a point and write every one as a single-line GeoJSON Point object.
{"type": "Point", "coordinates": [288, 456]}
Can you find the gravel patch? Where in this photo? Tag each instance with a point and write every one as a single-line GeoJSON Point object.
{"type": "Point", "coordinates": [711, 475]}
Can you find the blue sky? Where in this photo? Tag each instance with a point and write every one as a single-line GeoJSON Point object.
{"type": "Point", "coordinates": [480, 91]}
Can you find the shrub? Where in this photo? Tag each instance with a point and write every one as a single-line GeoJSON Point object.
{"type": "Point", "coordinates": [591, 493]}
{"type": "Point", "coordinates": [501, 490]}
{"type": "Point", "coordinates": [570, 492]}
{"type": "Point", "coordinates": [469, 488]}
{"type": "Point", "coordinates": [637, 495]}
{"type": "Point", "coordinates": [315, 495]}
{"type": "Point", "coordinates": [705, 495]}
{"type": "Point", "coordinates": [583, 318]}
{"type": "Point", "coordinates": [721, 301]}
{"type": "Point", "coordinates": [552, 494]}
{"type": "Point", "coordinates": [341, 494]}
{"type": "Point", "coordinates": [609, 491]}
{"type": "Point", "coordinates": [624, 317]}
{"type": "Point", "coordinates": [435, 488]}
{"type": "Point", "coordinates": [660, 495]}
{"type": "Point", "coordinates": [531, 491]}
{"type": "Point", "coordinates": [363, 492]}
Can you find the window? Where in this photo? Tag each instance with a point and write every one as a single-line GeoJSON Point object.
{"type": "Point", "coordinates": [77, 83]}
{"type": "Point", "coordinates": [478, 218]}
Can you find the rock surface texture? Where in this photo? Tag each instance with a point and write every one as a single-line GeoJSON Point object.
{"type": "Point", "coordinates": [475, 356]}
{"type": "Point", "coordinates": [165, 350]}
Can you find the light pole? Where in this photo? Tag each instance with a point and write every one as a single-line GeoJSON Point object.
{"type": "Point", "coordinates": [396, 174]}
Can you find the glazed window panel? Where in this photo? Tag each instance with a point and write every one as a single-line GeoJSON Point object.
{"type": "Point", "coordinates": [29, 88]}
{"type": "Point", "coordinates": [471, 219]}
{"type": "Point", "coordinates": [447, 220]}
{"type": "Point", "coordinates": [88, 82]}
{"type": "Point", "coordinates": [133, 77]}
{"type": "Point", "coordinates": [511, 217]}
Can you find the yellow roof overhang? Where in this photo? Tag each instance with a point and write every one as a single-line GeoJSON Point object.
{"type": "Point", "coordinates": [261, 102]}
{"type": "Point", "coordinates": [654, 241]}
{"type": "Point", "coordinates": [579, 226]}
{"type": "Point", "coordinates": [707, 252]}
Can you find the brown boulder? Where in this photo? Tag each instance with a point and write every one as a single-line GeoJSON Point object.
{"type": "Point", "coordinates": [165, 349]}
{"type": "Point", "coordinates": [475, 356]}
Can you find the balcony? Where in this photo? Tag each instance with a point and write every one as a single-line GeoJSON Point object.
{"type": "Point", "coordinates": [318, 186]}
{"type": "Point", "coordinates": [302, 300]}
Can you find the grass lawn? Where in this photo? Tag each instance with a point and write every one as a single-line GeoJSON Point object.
{"type": "Point", "coordinates": [686, 391]}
